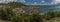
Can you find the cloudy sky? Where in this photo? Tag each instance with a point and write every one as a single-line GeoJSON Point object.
{"type": "Point", "coordinates": [33, 2]}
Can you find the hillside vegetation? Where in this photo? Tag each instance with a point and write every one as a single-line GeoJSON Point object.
{"type": "Point", "coordinates": [19, 12]}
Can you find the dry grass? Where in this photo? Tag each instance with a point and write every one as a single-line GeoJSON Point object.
{"type": "Point", "coordinates": [57, 19]}
{"type": "Point", "coordinates": [4, 21]}
{"type": "Point", "coordinates": [53, 20]}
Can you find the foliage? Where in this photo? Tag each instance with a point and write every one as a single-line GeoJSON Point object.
{"type": "Point", "coordinates": [57, 14]}
{"type": "Point", "coordinates": [46, 16]}
{"type": "Point", "coordinates": [16, 4]}
{"type": "Point", "coordinates": [16, 18]}
{"type": "Point", "coordinates": [36, 18]}
{"type": "Point", "coordinates": [6, 13]}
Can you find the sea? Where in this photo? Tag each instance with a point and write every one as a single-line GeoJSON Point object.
{"type": "Point", "coordinates": [50, 9]}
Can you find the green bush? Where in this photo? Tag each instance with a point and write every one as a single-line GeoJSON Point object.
{"type": "Point", "coordinates": [46, 16]}
{"type": "Point", "coordinates": [57, 14]}
{"type": "Point", "coordinates": [35, 18]}
{"type": "Point", "coordinates": [16, 19]}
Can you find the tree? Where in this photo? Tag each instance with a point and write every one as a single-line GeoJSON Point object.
{"type": "Point", "coordinates": [57, 14]}
{"type": "Point", "coordinates": [46, 16]}
{"type": "Point", "coordinates": [49, 15]}
{"type": "Point", "coordinates": [35, 18]}
{"type": "Point", "coordinates": [16, 18]}
{"type": "Point", "coordinates": [16, 4]}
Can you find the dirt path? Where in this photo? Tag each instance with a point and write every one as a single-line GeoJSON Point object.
{"type": "Point", "coordinates": [57, 19]}
{"type": "Point", "coordinates": [51, 20]}
{"type": "Point", "coordinates": [4, 21]}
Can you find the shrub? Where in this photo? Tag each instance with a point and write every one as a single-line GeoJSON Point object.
{"type": "Point", "coordinates": [35, 18]}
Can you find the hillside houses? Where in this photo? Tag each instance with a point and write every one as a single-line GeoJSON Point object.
{"type": "Point", "coordinates": [18, 10]}
{"type": "Point", "coordinates": [28, 10]}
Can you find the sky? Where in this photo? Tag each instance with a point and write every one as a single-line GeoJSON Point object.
{"type": "Point", "coordinates": [33, 2]}
{"type": "Point", "coordinates": [38, 2]}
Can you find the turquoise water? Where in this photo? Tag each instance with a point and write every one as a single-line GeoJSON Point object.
{"type": "Point", "coordinates": [50, 9]}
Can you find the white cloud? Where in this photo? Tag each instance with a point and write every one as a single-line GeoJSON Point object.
{"type": "Point", "coordinates": [22, 1]}
{"type": "Point", "coordinates": [35, 2]}
{"type": "Point", "coordinates": [6, 1]}
{"type": "Point", "coordinates": [43, 1]}
{"type": "Point", "coordinates": [0, 1]}
{"type": "Point", "coordinates": [55, 2]}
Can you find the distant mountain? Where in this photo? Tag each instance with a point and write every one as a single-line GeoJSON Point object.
{"type": "Point", "coordinates": [58, 4]}
{"type": "Point", "coordinates": [41, 5]}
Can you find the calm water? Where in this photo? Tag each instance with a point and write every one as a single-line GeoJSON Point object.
{"type": "Point", "coordinates": [50, 9]}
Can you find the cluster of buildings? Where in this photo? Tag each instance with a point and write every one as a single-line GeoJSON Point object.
{"type": "Point", "coordinates": [28, 10]}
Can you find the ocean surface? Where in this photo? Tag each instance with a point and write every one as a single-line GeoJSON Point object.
{"type": "Point", "coordinates": [50, 9]}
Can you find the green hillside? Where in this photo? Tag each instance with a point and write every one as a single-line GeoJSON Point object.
{"type": "Point", "coordinates": [19, 12]}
